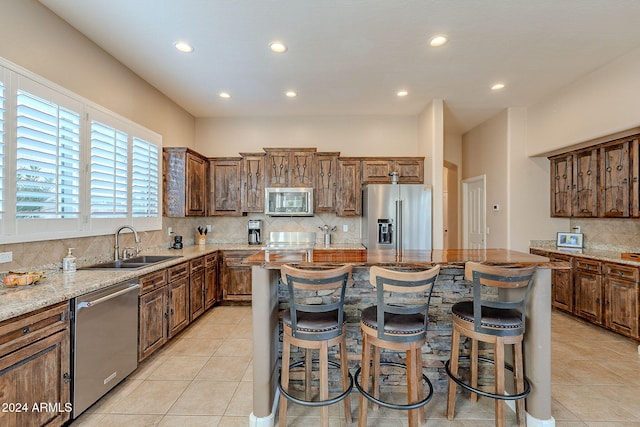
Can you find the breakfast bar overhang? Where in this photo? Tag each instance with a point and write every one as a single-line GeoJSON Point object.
{"type": "Point", "coordinates": [450, 287]}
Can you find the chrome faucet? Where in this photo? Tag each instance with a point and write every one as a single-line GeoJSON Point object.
{"type": "Point", "coordinates": [117, 247]}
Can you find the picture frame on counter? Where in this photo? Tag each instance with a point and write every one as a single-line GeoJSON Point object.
{"type": "Point", "coordinates": [569, 240]}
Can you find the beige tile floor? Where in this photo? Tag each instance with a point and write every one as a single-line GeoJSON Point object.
{"type": "Point", "coordinates": [204, 378]}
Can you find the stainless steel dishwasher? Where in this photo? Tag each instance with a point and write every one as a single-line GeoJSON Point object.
{"type": "Point", "coordinates": [104, 341]}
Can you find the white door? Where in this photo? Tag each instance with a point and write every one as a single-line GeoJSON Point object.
{"type": "Point", "coordinates": [475, 221]}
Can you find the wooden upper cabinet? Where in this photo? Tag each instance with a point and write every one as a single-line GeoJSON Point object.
{"type": "Point", "coordinates": [561, 184]}
{"type": "Point", "coordinates": [186, 185]}
{"type": "Point", "coordinates": [290, 167]}
{"type": "Point", "coordinates": [349, 195]}
{"type": "Point", "coordinates": [615, 187]}
{"type": "Point", "coordinates": [376, 171]}
{"type": "Point", "coordinates": [225, 186]}
{"type": "Point", "coordinates": [585, 184]}
{"type": "Point", "coordinates": [253, 178]}
{"type": "Point", "coordinates": [326, 182]}
{"type": "Point", "coordinates": [635, 176]}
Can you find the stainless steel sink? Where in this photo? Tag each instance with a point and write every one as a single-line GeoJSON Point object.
{"type": "Point", "coordinates": [131, 263]}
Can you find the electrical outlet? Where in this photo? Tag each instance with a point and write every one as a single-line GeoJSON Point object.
{"type": "Point", "coordinates": [169, 231]}
{"type": "Point", "coordinates": [208, 228]}
{"type": "Point", "coordinates": [345, 228]}
{"type": "Point", "coordinates": [6, 257]}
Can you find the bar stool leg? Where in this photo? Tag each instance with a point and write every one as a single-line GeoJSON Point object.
{"type": "Point", "coordinates": [412, 387]}
{"type": "Point", "coordinates": [421, 393]}
{"type": "Point", "coordinates": [499, 378]}
{"type": "Point", "coordinates": [375, 387]}
{"type": "Point", "coordinates": [308, 373]}
{"type": "Point", "coordinates": [366, 371]}
{"type": "Point", "coordinates": [519, 378]}
{"type": "Point", "coordinates": [474, 368]}
{"type": "Point", "coordinates": [455, 348]}
{"type": "Point", "coordinates": [324, 382]}
{"type": "Point", "coordinates": [344, 366]}
{"type": "Point", "coordinates": [284, 380]}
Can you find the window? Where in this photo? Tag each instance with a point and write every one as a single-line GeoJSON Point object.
{"type": "Point", "coordinates": [69, 168]}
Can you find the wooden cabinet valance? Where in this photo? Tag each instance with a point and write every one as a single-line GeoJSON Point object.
{"type": "Point", "coordinates": [599, 181]}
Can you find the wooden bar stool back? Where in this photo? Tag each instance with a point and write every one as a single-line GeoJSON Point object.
{"type": "Point", "coordinates": [497, 322]}
{"type": "Point", "coordinates": [315, 321]}
{"type": "Point", "coordinates": [398, 323]}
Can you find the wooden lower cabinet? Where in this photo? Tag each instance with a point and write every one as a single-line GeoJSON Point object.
{"type": "Point", "coordinates": [196, 288]}
{"type": "Point", "coordinates": [235, 278]}
{"type": "Point", "coordinates": [562, 285]}
{"type": "Point", "coordinates": [178, 305]}
{"type": "Point", "coordinates": [587, 282]}
{"type": "Point", "coordinates": [153, 306]}
{"type": "Point", "coordinates": [212, 292]}
{"type": "Point", "coordinates": [621, 299]}
{"type": "Point", "coordinates": [35, 368]}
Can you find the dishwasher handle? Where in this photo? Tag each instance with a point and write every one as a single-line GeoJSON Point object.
{"type": "Point", "coordinates": [88, 304]}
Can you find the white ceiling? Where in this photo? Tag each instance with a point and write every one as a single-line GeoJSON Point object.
{"type": "Point", "coordinates": [349, 57]}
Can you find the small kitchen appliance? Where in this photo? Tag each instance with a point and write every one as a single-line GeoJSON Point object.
{"type": "Point", "coordinates": [254, 229]}
{"type": "Point", "coordinates": [177, 242]}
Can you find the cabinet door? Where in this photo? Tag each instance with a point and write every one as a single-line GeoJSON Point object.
{"type": "Point", "coordinates": [210, 281]}
{"type": "Point", "coordinates": [277, 169]}
{"type": "Point", "coordinates": [253, 183]}
{"type": "Point", "coordinates": [236, 278]}
{"type": "Point", "coordinates": [562, 286]}
{"type": "Point", "coordinates": [614, 180]}
{"type": "Point", "coordinates": [621, 299]}
{"type": "Point", "coordinates": [410, 171]}
{"type": "Point", "coordinates": [349, 195]}
{"type": "Point", "coordinates": [561, 184]}
{"type": "Point", "coordinates": [225, 180]}
{"type": "Point", "coordinates": [196, 294]}
{"type": "Point", "coordinates": [37, 373]}
{"type": "Point", "coordinates": [635, 177]}
{"type": "Point", "coordinates": [376, 171]}
{"type": "Point", "coordinates": [196, 188]}
{"type": "Point", "coordinates": [588, 294]}
{"type": "Point", "coordinates": [326, 182]}
{"type": "Point", "coordinates": [153, 322]}
{"type": "Point", "coordinates": [301, 169]}
{"type": "Point", "coordinates": [178, 305]}
{"type": "Point", "coordinates": [585, 184]}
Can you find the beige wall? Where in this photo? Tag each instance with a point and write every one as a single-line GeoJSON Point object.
{"type": "Point", "coordinates": [349, 135]}
{"type": "Point", "coordinates": [36, 39]}
{"type": "Point", "coordinates": [601, 103]}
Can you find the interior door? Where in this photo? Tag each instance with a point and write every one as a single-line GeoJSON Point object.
{"type": "Point", "coordinates": [474, 208]}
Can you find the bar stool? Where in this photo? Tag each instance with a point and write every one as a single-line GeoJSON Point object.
{"type": "Point", "coordinates": [496, 322]}
{"type": "Point", "coordinates": [315, 321]}
{"type": "Point", "coordinates": [398, 323]}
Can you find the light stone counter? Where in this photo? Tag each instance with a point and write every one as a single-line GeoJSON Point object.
{"type": "Point", "coordinates": [58, 287]}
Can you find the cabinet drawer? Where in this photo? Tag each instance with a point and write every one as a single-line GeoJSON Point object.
{"type": "Point", "coordinates": [19, 331]}
{"type": "Point", "coordinates": [196, 264]}
{"type": "Point", "coordinates": [624, 272]}
{"type": "Point", "coordinates": [211, 260]}
{"type": "Point", "coordinates": [588, 265]}
{"type": "Point", "coordinates": [152, 281]}
{"type": "Point", "coordinates": [178, 271]}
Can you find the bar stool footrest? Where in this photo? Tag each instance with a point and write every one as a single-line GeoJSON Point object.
{"type": "Point", "coordinates": [317, 403]}
{"type": "Point", "coordinates": [395, 405]}
{"type": "Point", "coordinates": [457, 380]}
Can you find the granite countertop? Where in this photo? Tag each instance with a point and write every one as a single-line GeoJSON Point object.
{"type": "Point", "coordinates": [607, 255]}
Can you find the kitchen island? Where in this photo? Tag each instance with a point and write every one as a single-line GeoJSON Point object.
{"type": "Point", "coordinates": [268, 299]}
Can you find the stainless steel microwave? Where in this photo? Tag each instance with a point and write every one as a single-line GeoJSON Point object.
{"type": "Point", "coordinates": [286, 201]}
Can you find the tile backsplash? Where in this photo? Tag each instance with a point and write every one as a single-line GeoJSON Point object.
{"type": "Point", "coordinates": [610, 233]}
{"type": "Point", "coordinates": [47, 255]}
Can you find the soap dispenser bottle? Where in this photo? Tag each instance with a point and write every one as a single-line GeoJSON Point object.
{"type": "Point", "coordinates": [69, 262]}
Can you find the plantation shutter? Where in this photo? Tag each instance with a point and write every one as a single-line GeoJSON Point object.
{"type": "Point", "coordinates": [145, 186]}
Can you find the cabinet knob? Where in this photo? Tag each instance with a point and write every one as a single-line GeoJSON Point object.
{"type": "Point", "coordinates": [67, 378]}
{"type": "Point", "coordinates": [25, 330]}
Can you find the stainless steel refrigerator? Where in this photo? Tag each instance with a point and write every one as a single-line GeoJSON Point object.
{"type": "Point", "coordinates": [396, 216]}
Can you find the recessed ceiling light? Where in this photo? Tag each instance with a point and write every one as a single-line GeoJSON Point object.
{"type": "Point", "coordinates": [437, 41]}
{"type": "Point", "coordinates": [278, 47]}
{"type": "Point", "coordinates": [225, 95]}
{"type": "Point", "coordinates": [497, 86]}
{"type": "Point", "coordinates": [291, 94]}
{"type": "Point", "coordinates": [402, 93]}
{"type": "Point", "coordinates": [183, 47]}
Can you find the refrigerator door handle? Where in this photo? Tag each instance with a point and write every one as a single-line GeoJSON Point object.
{"type": "Point", "coordinates": [398, 224]}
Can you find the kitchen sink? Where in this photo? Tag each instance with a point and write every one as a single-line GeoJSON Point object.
{"type": "Point", "coordinates": [131, 263]}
